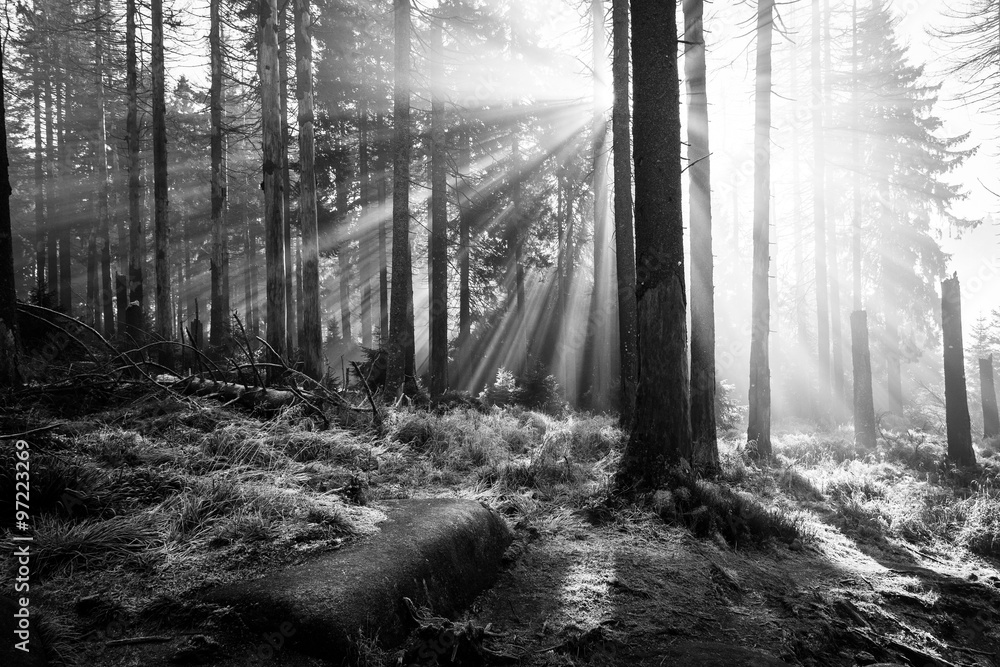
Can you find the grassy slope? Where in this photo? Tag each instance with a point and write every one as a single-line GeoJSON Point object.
{"type": "Point", "coordinates": [139, 506]}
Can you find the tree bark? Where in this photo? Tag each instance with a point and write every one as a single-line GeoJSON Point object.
{"type": "Point", "coordinates": [274, 228]}
{"type": "Point", "coordinates": [624, 235]}
{"type": "Point", "coordinates": [833, 274]}
{"type": "Point", "coordinates": [439, 221]}
{"type": "Point", "coordinates": [10, 368]}
{"type": "Point", "coordinates": [661, 432]}
{"type": "Point", "coordinates": [759, 423]}
{"type": "Point", "coordinates": [959, 425]}
{"type": "Point", "coordinates": [51, 202]}
{"type": "Point", "coordinates": [65, 225]}
{"type": "Point", "coordinates": [312, 324]}
{"type": "Point", "coordinates": [39, 161]}
{"type": "Point", "coordinates": [464, 235]}
{"type": "Point", "coordinates": [991, 419]}
{"type": "Point", "coordinates": [703, 429]}
{"type": "Point", "coordinates": [367, 239]}
{"type": "Point", "coordinates": [161, 220]}
{"type": "Point", "coordinates": [219, 334]}
{"type": "Point", "coordinates": [344, 251]}
{"type": "Point", "coordinates": [401, 371]}
{"type": "Point", "coordinates": [135, 254]}
{"type": "Point", "coordinates": [865, 426]}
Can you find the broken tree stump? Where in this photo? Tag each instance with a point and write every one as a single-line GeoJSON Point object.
{"type": "Point", "coordinates": [991, 418]}
{"type": "Point", "coordinates": [956, 398]}
{"type": "Point", "coordinates": [865, 427]}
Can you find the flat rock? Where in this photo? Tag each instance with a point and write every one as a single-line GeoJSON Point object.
{"type": "Point", "coordinates": [714, 654]}
{"type": "Point", "coordinates": [439, 552]}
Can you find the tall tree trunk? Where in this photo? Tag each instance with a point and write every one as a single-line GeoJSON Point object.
{"type": "Point", "coordinates": [135, 245]}
{"type": "Point", "coordinates": [66, 208]}
{"type": "Point", "coordinates": [344, 251]}
{"type": "Point", "coordinates": [857, 165]}
{"type": "Point", "coordinates": [959, 425]}
{"type": "Point", "coordinates": [595, 358]}
{"type": "Point", "coordinates": [51, 199]}
{"type": "Point", "coordinates": [624, 236]}
{"type": "Point", "coordinates": [833, 273]}
{"type": "Point", "coordinates": [383, 258]}
{"type": "Point", "coordinates": [801, 401]}
{"type": "Point", "coordinates": [894, 379]}
{"type": "Point", "coordinates": [10, 367]}
{"type": "Point", "coordinates": [759, 421]}
{"type": "Point", "coordinates": [703, 430]}
{"type": "Point", "coordinates": [312, 324]}
{"type": "Point", "coordinates": [991, 419]}
{"type": "Point", "coordinates": [439, 221]}
{"type": "Point", "coordinates": [819, 216]}
{"type": "Point", "coordinates": [161, 220]}
{"type": "Point", "coordinates": [273, 149]}
{"type": "Point", "coordinates": [286, 178]}
{"type": "Point", "coordinates": [92, 313]}
{"type": "Point", "coordinates": [367, 239]}
{"type": "Point", "coordinates": [401, 367]}
{"type": "Point", "coordinates": [106, 289]}
{"type": "Point", "coordinates": [661, 432]}
{"type": "Point", "coordinates": [219, 316]}
{"type": "Point", "coordinates": [39, 160]}
{"type": "Point", "coordinates": [465, 209]}
{"type": "Point", "coordinates": [865, 426]}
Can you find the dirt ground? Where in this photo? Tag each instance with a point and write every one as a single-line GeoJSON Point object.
{"type": "Point", "coordinates": [637, 592]}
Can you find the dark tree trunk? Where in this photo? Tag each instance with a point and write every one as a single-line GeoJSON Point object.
{"type": "Point", "coordinates": [135, 254]}
{"type": "Point", "coordinates": [865, 426]}
{"type": "Point", "coordinates": [38, 161]}
{"type": "Point", "coordinates": [161, 220]}
{"type": "Point", "coordinates": [464, 236]}
{"type": "Point", "coordinates": [991, 420]}
{"type": "Point", "coordinates": [367, 239]}
{"type": "Point", "coordinates": [93, 311]}
{"type": "Point", "coordinates": [219, 262]}
{"type": "Point", "coordinates": [759, 421]}
{"type": "Point", "coordinates": [344, 251]}
{"type": "Point", "coordinates": [703, 430]}
{"type": "Point", "coordinates": [51, 204]}
{"type": "Point", "coordinates": [959, 426]}
{"type": "Point", "coordinates": [312, 324]}
{"type": "Point", "coordinates": [839, 381]}
{"type": "Point", "coordinates": [105, 288]}
{"type": "Point", "coordinates": [383, 260]}
{"type": "Point", "coordinates": [401, 371]}
{"type": "Point", "coordinates": [286, 179]}
{"type": "Point", "coordinates": [661, 432]}
{"type": "Point", "coordinates": [65, 226]}
{"type": "Point", "coordinates": [10, 367]}
{"type": "Point", "coordinates": [624, 235]}
{"type": "Point", "coordinates": [439, 222]}
{"type": "Point", "coordinates": [273, 149]}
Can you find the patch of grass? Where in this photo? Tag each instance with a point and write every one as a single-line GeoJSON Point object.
{"type": "Point", "coordinates": [242, 444]}
{"type": "Point", "coordinates": [706, 508]}
{"type": "Point", "coordinates": [93, 544]}
{"type": "Point", "coordinates": [980, 532]}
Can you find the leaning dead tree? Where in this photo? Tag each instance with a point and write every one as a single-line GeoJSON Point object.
{"type": "Point", "coordinates": [991, 418]}
{"type": "Point", "coordinates": [955, 395]}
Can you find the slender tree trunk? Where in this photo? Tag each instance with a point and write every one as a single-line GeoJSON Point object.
{"type": "Point", "coordinates": [39, 160]}
{"type": "Point", "coordinates": [135, 255]}
{"type": "Point", "coordinates": [401, 367]}
{"type": "Point", "coordinates": [624, 236]}
{"type": "Point", "coordinates": [819, 216]}
{"type": "Point", "coordinates": [991, 419]}
{"type": "Point", "coordinates": [959, 425]}
{"type": "Point", "coordinates": [312, 324]}
{"type": "Point", "coordinates": [92, 312]}
{"type": "Point", "coordinates": [51, 201]}
{"type": "Point", "coordinates": [383, 260]}
{"type": "Point", "coordinates": [344, 251]}
{"type": "Point", "coordinates": [893, 371]}
{"type": "Point", "coordinates": [865, 426]}
{"type": "Point", "coordinates": [161, 220]}
{"type": "Point", "coordinates": [105, 288]}
{"type": "Point", "coordinates": [833, 273]}
{"type": "Point", "coordinates": [10, 367]}
{"type": "Point", "coordinates": [286, 179]}
{"type": "Point", "coordinates": [67, 205]}
{"type": "Point", "coordinates": [273, 149]}
{"type": "Point", "coordinates": [595, 358]}
{"type": "Point", "coordinates": [759, 425]}
{"type": "Point", "coordinates": [703, 430]}
{"type": "Point", "coordinates": [367, 239]}
{"type": "Point", "coordinates": [220, 313]}
{"type": "Point", "coordinates": [661, 432]}
{"type": "Point", "coordinates": [465, 209]}
{"type": "Point", "coordinates": [439, 221]}
{"type": "Point", "coordinates": [799, 384]}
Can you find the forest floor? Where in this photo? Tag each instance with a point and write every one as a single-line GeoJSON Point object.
{"type": "Point", "coordinates": [143, 499]}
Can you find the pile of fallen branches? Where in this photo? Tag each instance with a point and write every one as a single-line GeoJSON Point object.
{"type": "Point", "coordinates": [109, 369]}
